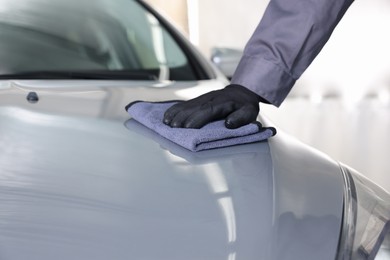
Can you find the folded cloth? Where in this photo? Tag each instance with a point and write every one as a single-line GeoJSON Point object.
{"type": "Point", "coordinates": [210, 136]}
{"type": "Point", "coordinates": [258, 149]}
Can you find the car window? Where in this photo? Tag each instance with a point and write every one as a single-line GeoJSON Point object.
{"type": "Point", "coordinates": [85, 35]}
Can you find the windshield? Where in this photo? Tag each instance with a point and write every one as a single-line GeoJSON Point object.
{"type": "Point", "coordinates": [86, 36]}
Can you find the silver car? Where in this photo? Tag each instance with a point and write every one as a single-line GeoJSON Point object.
{"type": "Point", "coordinates": [80, 180]}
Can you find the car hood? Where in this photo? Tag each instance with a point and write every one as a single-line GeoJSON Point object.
{"type": "Point", "coordinates": [80, 180]}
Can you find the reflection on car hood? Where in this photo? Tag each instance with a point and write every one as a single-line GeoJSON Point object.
{"type": "Point", "coordinates": [78, 181]}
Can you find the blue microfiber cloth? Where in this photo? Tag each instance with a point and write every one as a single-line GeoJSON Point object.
{"type": "Point", "coordinates": [258, 149]}
{"type": "Point", "coordinates": [212, 135]}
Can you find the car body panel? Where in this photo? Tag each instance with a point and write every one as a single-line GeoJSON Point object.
{"type": "Point", "coordinates": [80, 180]}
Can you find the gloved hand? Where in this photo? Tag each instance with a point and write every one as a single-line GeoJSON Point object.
{"type": "Point", "coordinates": [236, 104]}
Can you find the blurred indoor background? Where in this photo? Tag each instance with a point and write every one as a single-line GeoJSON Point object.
{"type": "Point", "coordinates": [341, 104]}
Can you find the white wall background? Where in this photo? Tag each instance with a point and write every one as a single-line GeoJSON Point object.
{"type": "Point", "coordinates": [210, 23]}
{"type": "Point", "coordinates": [226, 23]}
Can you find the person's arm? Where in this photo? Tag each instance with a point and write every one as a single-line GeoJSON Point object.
{"type": "Point", "coordinates": [288, 38]}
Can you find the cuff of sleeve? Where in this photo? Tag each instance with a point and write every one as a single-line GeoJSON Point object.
{"type": "Point", "coordinates": [263, 77]}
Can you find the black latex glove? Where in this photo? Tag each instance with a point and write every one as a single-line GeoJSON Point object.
{"type": "Point", "coordinates": [236, 104]}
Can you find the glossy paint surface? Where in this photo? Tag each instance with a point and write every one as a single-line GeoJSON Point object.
{"type": "Point", "coordinates": [79, 180]}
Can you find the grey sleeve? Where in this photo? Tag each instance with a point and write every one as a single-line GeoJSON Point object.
{"type": "Point", "coordinates": [288, 38]}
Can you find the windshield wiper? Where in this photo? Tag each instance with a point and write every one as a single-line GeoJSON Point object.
{"type": "Point", "coordinates": [83, 74]}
